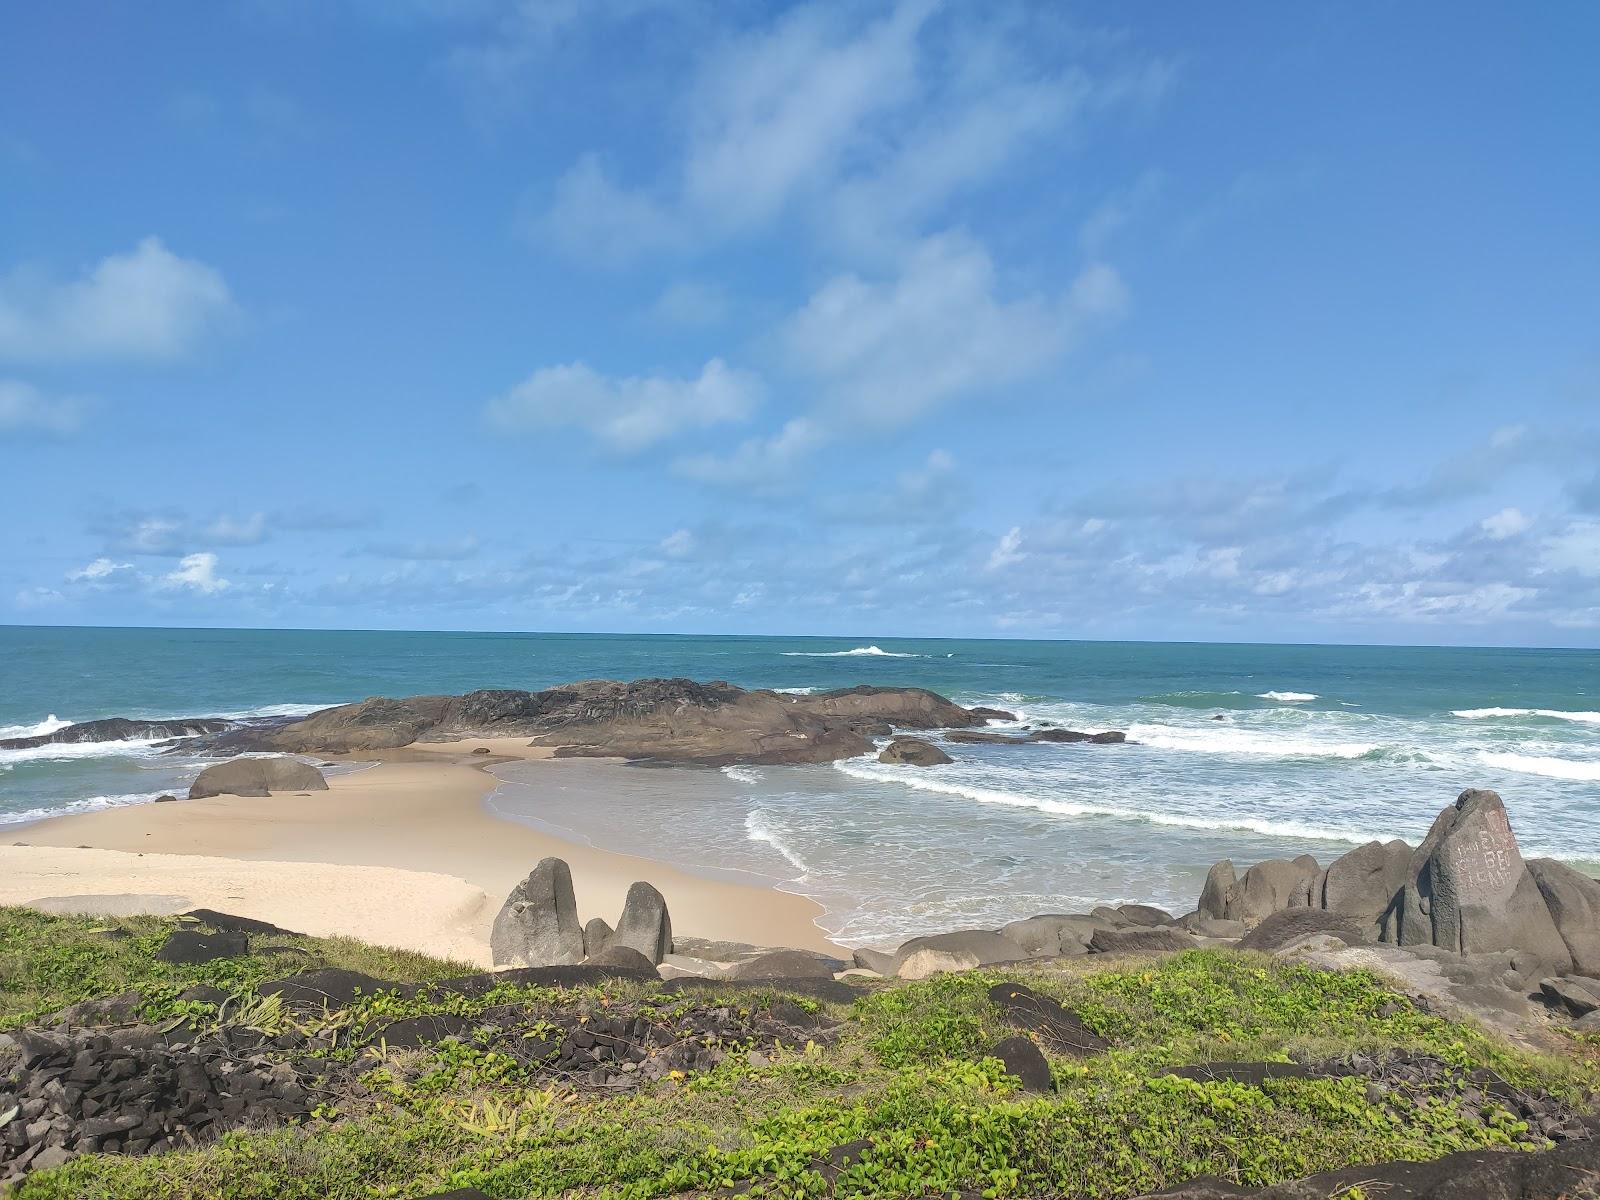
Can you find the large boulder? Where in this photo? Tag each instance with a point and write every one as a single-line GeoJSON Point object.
{"type": "Point", "coordinates": [1272, 885]}
{"type": "Point", "coordinates": [597, 935]}
{"type": "Point", "coordinates": [1290, 925]}
{"type": "Point", "coordinates": [645, 925]}
{"type": "Point", "coordinates": [538, 925]}
{"type": "Point", "coordinates": [1364, 883]}
{"type": "Point", "coordinates": [1055, 935]}
{"type": "Point", "coordinates": [1221, 880]}
{"type": "Point", "coordinates": [1573, 899]}
{"type": "Point", "coordinates": [1470, 892]}
{"type": "Point", "coordinates": [785, 964]}
{"type": "Point", "coordinates": [960, 951]}
{"type": "Point", "coordinates": [913, 752]}
{"type": "Point", "coordinates": [257, 777]}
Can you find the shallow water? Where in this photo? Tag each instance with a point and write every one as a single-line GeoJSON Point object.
{"type": "Point", "coordinates": [1318, 749]}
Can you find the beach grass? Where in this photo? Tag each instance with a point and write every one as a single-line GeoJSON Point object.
{"type": "Point", "coordinates": [904, 1072]}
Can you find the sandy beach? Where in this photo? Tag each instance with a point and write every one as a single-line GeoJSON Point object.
{"type": "Point", "coordinates": [402, 853]}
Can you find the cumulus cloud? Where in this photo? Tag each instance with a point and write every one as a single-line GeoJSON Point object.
{"type": "Point", "coordinates": [1507, 523]}
{"type": "Point", "coordinates": [628, 414]}
{"type": "Point", "coordinates": [761, 463]}
{"type": "Point", "coordinates": [146, 304]}
{"type": "Point", "coordinates": [887, 351]}
{"type": "Point", "coordinates": [1007, 551]}
{"type": "Point", "coordinates": [25, 409]}
{"type": "Point", "coordinates": [99, 571]}
{"type": "Point", "coordinates": [196, 573]}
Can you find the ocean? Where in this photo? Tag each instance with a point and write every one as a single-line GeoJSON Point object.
{"type": "Point", "coordinates": [1319, 748]}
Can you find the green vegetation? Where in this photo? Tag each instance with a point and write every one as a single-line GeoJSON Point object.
{"type": "Point", "coordinates": [904, 1070]}
{"type": "Point", "coordinates": [47, 963]}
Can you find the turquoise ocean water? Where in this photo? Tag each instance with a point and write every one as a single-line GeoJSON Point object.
{"type": "Point", "coordinates": [1319, 748]}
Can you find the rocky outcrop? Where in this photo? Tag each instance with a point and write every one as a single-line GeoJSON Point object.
{"type": "Point", "coordinates": [960, 951]}
{"type": "Point", "coordinates": [120, 729]}
{"type": "Point", "coordinates": [257, 777]}
{"type": "Point", "coordinates": [645, 925]}
{"type": "Point", "coordinates": [538, 925]}
{"type": "Point", "coordinates": [667, 720]}
{"type": "Point", "coordinates": [1110, 737]}
{"type": "Point", "coordinates": [913, 752]}
{"type": "Point", "coordinates": [1574, 903]}
{"type": "Point", "coordinates": [1363, 883]}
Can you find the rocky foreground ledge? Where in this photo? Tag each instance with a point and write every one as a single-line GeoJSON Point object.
{"type": "Point", "coordinates": [661, 720]}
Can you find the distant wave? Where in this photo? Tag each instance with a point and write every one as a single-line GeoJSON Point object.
{"type": "Point", "coordinates": [1228, 739]}
{"type": "Point", "coordinates": [1287, 697]}
{"type": "Point", "coordinates": [858, 652]}
{"type": "Point", "coordinates": [757, 830]}
{"type": "Point", "coordinates": [49, 725]}
{"type": "Point", "coordinates": [1533, 764]}
{"type": "Point", "coordinates": [801, 691]}
{"type": "Point", "coordinates": [1196, 699]}
{"type": "Point", "coordinates": [1555, 714]}
{"type": "Point", "coordinates": [866, 769]}
{"type": "Point", "coordinates": [89, 804]}
{"type": "Point", "coordinates": [741, 774]}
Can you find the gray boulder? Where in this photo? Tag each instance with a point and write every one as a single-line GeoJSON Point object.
{"type": "Point", "coordinates": [785, 964]}
{"type": "Point", "coordinates": [1212, 927]}
{"type": "Point", "coordinates": [597, 936]}
{"type": "Point", "coordinates": [1145, 914]}
{"type": "Point", "coordinates": [1272, 885]}
{"type": "Point", "coordinates": [1579, 997]}
{"type": "Point", "coordinates": [1470, 892]}
{"type": "Point", "coordinates": [257, 777]}
{"type": "Point", "coordinates": [1365, 882]}
{"type": "Point", "coordinates": [960, 951]}
{"type": "Point", "coordinates": [1573, 899]}
{"type": "Point", "coordinates": [1054, 935]}
{"type": "Point", "coordinates": [913, 752]}
{"type": "Point", "coordinates": [1218, 891]}
{"type": "Point", "coordinates": [1141, 940]}
{"type": "Point", "coordinates": [1290, 925]}
{"type": "Point", "coordinates": [620, 956]}
{"type": "Point", "coordinates": [645, 925]}
{"type": "Point", "coordinates": [538, 925]}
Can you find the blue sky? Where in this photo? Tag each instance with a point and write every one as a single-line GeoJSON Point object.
{"type": "Point", "coordinates": [1254, 322]}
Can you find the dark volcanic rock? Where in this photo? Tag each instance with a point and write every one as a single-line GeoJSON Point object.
{"type": "Point", "coordinates": [1024, 1060]}
{"type": "Point", "coordinates": [411, 1032]}
{"type": "Point", "coordinates": [229, 923]}
{"type": "Point", "coordinates": [667, 720]}
{"type": "Point", "coordinates": [913, 752]}
{"type": "Point", "coordinates": [190, 947]}
{"type": "Point", "coordinates": [1058, 1029]}
{"type": "Point", "coordinates": [119, 729]}
{"type": "Point", "coordinates": [983, 737]}
{"type": "Point", "coordinates": [625, 957]}
{"type": "Point", "coordinates": [331, 987]}
{"type": "Point", "coordinates": [1252, 1074]}
{"type": "Point", "coordinates": [538, 924]}
{"type": "Point", "coordinates": [257, 777]}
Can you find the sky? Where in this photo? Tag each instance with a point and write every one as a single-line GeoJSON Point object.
{"type": "Point", "coordinates": [1253, 322]}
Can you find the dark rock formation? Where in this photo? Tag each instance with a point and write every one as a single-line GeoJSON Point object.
{"type": "Point", "coordinates": [1058, 1029]}
{"type": "Point", "coordinates": [1055, 935]}
{"type": "Point", "coordinates": [1574, 903]}
{"type": "Point", "coordinates": [538, 924]}
{"type": "Point", "coordinates": [645, 925]}
{"type": "Point", "coordinates": [913, 752]}
{"type": "Point", "coordinates": [785, 964]}
{"type": "Point", "coordinates": [669, 720]}
{"type": "Point", "coordinates": [959, 951]}
{"type": "Point", "coordinates": [189, 947]}
{"type": "Point", "coordinates": [1111, 737]}
{"type": "Point", "coordinates": [1024, 1060]}
{"type": "Point", "coordinates": [1364, 882]}
{"type": "Point", "coordinates": [1289, 925]}
{"type": "Point", "coordinates": [257, 777]}
{"type": "Point", "coordinates": [597, 934]}
{"type": "Point", "coordinates": [1140, 941]}
{"type": "Point", "coordinates": [1144, 914]}
{"type": "Point", "coordinates": [120, 729]}
{"type": "Point", "coordinates": [621, 956]}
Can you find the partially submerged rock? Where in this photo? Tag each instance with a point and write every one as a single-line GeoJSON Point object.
{"type": "Point", "coordinates": [913, 752]}
{"type": "Point", "coordinates": [255, 776]}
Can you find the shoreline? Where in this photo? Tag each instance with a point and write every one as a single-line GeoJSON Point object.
{"type": "Point", "coordinates": [418, 821]}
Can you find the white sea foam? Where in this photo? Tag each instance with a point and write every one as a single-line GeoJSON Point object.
{"type": "Point", "coordinates": [88, 804]}
{"type": "Point", "coordinates": [57, 751]}
{"type": "Point", "coordinates": [867, 769]}
{"type": "Point", "coordinates": [1534, 764]}
{"type": "Point", "coordinates": [49, 725]}
{"type": "Point", "coordinates": [1222, 738]}
{"type": "Point", "coordinates": [858, 652]}
{"type": "Point", "coordinates": [757, 830]}
{"type": "Point", "coordinates": [1555, 714]}
{"type": "Point", "coordinates": [799, 691]}
{"type": "Point", "coordinates": [741, 774]}
{"type": "Point", "coordinates": [1287, 697]}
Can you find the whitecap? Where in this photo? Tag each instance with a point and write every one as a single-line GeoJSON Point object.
{"type": "Point", "coordinates": [757, 830]}
{"type": "Point", "coordinates": [1555, 714]}
{"type": "Point", "coordinates": [1287, 697]}
{"type": "Point", "coordinates": [56, 751]}
{"type": "Point", "coordinates": [858, 652]}
{"type": "Point", "coordinates": [868, 769]}
{"type": "Point", "coordinates": [1534, 764]}
{"type": "Point", "coordinates": [1222, 738]}
{"type": "Point", "coordinates": [49, 725]}
{"type": "Point", "coordinates": [741, 774]}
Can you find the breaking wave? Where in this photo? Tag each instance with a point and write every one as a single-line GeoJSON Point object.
{"type": "Point", "coordinates": [1534, 764]}
{"type": "Point", "coordinates": [741, 774]}
{"type": "Point", "coordinates": [1287, 697]}
{"type": "Point", "coordinates": [757, 830]}
{"type": "Point", "coordinates": [858, 652]}
{"type": "Point", "coordinates": [49, 725]}
{"type": "Point", "coordinates": [89, 804]}
{"type": "Point", "coordinates": [1229, 739]}
{"type": "Point", "coordinates": [1554, 714]}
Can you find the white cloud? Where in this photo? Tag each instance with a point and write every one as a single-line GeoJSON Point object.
{"type": "Point", "coordinates": [759, 463]}
{"type": "Point", "coordinates": [592, 216]}
{"type": "Point", "coordinates": [889, 351]}
{"type": "Point", "coordinates": [146, 304]}
{"type": "Point", "coordinates": [691, 303]}
{"type": "Point", "coordinates": [25, 409]}
{"type": "Point", "coordinates": [1506, 523]}
{"type": "Point", "coordinates": [1007, 550]}
{"type": "Point", "coordinates": [99, 571]}
{"type": "Point", "coordinates": [678, 544]}
{"type": "Point", "coordinates": [1576, 548]}
{"type": "Point", "coordinates": [196, 572]}
{"type": "Point", "coordinates": [627, 414]}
